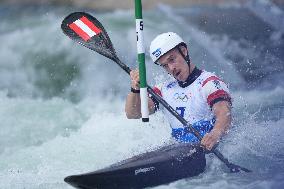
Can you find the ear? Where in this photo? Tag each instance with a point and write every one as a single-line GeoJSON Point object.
{"type": "Point", "coordinates": [184, 50]}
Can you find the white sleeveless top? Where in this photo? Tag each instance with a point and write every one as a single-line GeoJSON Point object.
{"type": "Point", "coordinates": [195, 101]}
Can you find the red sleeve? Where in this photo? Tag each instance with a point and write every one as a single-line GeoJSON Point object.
{"type": "Point", "coordinates": [215, 90]}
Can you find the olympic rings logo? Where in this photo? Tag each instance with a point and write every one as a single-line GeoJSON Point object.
{"type": "Point", "coordinates": [183, 97]}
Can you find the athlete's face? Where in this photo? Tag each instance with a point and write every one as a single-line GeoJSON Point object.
{"type": "Point", "coordinates": [174, 63]}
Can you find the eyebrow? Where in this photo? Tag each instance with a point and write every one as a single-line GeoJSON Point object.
{"type": "Point", "coordinates": [171, 56]}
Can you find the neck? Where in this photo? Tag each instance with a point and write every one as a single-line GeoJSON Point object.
{"type": "Point", "coordinates": [194, 73]}
{"type": "Point", "coordinates": [190, 69]}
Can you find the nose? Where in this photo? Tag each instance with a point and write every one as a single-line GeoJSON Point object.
{"type": "Point", "coordinates": [171, 67]}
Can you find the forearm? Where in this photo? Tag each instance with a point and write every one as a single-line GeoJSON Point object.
{"type": "Point", "coordinates": [222, 111]}
{"type": "Point", "coordinates": [133, 106]}
{"type": "Point", "coordinates": [223, 119]}
{"type": "Point", "coordinates": [133, 101]}
{"type": "Point", "coordinates": [222, 124]}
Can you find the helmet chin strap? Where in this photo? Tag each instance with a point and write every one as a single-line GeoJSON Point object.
{"type": "Point", "coordinates": [186, 58]}
{"type": "Point", "coordinates": [192, 75]}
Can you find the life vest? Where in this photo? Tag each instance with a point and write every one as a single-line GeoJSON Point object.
{"type": "Point", "coordinates": [193, 102]}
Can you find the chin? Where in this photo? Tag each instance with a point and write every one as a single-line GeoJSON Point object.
{"type": "Point", "coordinates": [180, 78]}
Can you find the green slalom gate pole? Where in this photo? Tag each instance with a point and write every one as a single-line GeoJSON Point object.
{"type": "Point", "coordinates": [141, 61]}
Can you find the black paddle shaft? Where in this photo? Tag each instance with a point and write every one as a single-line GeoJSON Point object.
{"type": "Point", "coordinates": [89, 32]}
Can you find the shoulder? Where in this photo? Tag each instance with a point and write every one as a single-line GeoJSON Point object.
{"type": "Point", "coordinates": [166, 86]}
{"type": "Point", "coordinates": [208, 76]}
{"type": "Point", "coordinates": [170, 85]}
{"type": "Point", "coordinates": [214, 88]}
{"type": "Point", "coordinates": [210, 79]}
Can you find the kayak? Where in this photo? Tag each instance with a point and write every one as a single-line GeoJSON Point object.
{"type": "Point", "coordinates": [161, 166]}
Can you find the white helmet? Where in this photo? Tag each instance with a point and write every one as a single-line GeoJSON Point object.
{"type": "Point", "coordinates": [164, 43]}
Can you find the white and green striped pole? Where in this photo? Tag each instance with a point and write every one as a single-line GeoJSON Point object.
{"type": "Point", "coordinates": [141, 61]}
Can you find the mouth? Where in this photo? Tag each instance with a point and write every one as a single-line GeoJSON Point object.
{"type": "Point", "coordinates": [177, 74]}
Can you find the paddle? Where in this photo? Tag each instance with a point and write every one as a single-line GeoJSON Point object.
{"type": "Point", "coordinates": [89, 32]}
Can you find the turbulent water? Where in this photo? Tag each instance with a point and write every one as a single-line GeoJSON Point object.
{"type": "Point", "coordinates": [62, 105]}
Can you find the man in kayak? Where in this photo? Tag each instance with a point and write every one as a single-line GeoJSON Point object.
{"type": "Point", "coordinates": [200, 97]}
